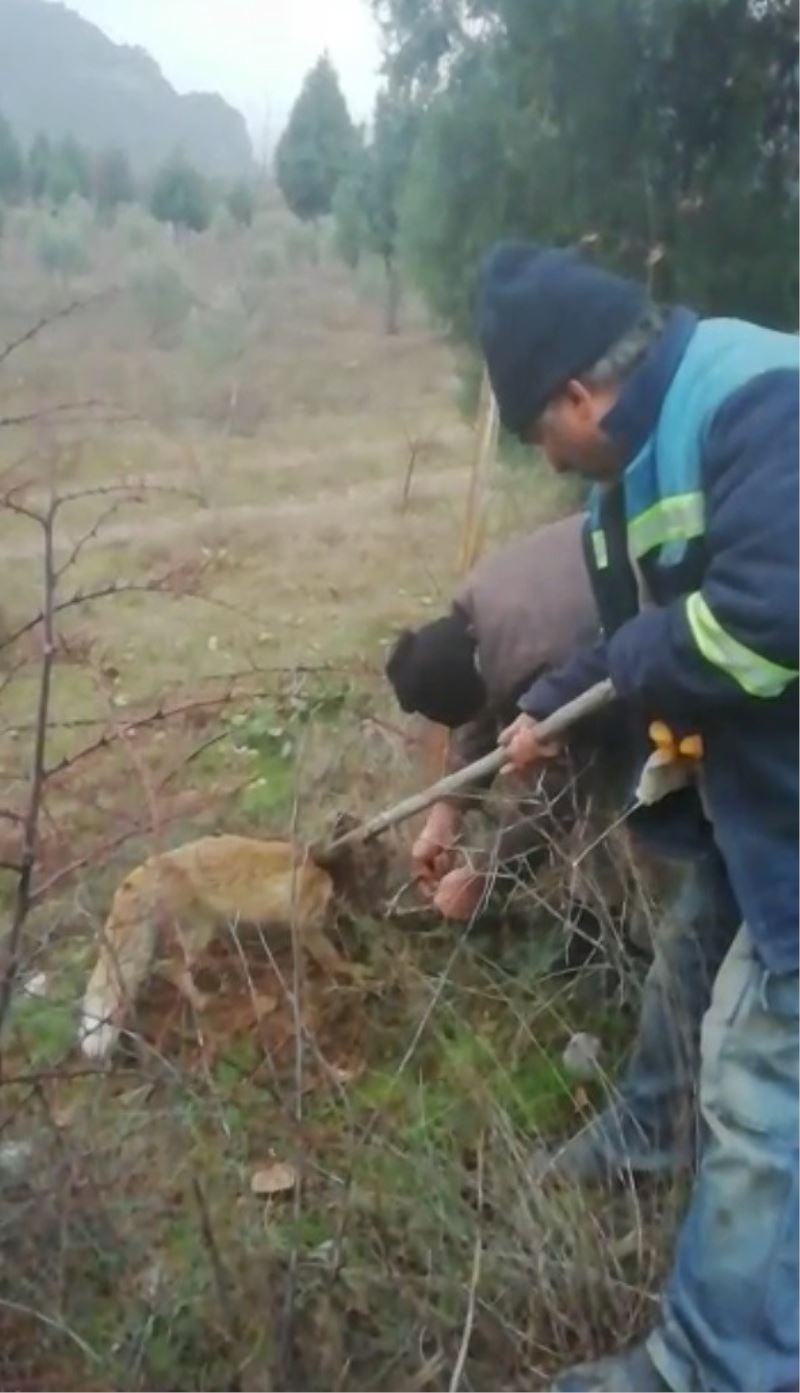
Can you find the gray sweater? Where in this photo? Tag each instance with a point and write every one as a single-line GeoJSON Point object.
{"type": "Point", "coordinates": [529, 606]}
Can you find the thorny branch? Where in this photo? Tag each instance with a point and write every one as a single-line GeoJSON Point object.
{"type": "Point", "coordinates": [65, 408]}
{"type": "Point", "coordinates": [53, 318]}
{"type": "Point", "coordinates": [44, 515]}
{"type": "Point", "coordinates": [102, 592]}
{"type": "Point", "coordinates": [30, 833]}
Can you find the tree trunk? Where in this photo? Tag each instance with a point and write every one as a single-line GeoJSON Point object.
{"type": "Point", "coordinates": [392, 308]}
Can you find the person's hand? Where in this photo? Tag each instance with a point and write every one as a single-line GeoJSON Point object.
{"type": "Point", "coordinates": [459, 893]}
{"type": "Point", "coordinates": [523, 746]}
{"type": "Point", "coordinates": [433, 853]}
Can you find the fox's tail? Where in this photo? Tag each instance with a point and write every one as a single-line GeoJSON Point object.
{"type": "Point", "coordinates": [126, 951]}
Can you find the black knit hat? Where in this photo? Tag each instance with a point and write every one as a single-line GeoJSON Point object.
{"type": "Point", "coordinates": [433, 672]}
{"type": "Point", "coordinates": [544, 316]}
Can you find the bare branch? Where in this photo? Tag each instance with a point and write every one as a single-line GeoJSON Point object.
{"type": "Point", "coordinates": [89, 536]}
{"type": "Point", "coordinates": [61, 408]}
{"type": "Point", "coordinates": [41, 1075]}
{"type": "Point", "coordinates": [455, 1381]}
{"type": "Point", "coordinates": [135, 829]}
{"type": "Point", "coordinates": [30, 835]}
{"type": "Point", "coordinates": [20, 508]}
{"type": "Point", "coordinates": [49, 319]}
{"type": "Point", "coordinates": [152, 718]}
{"type": "Point", "coordinates": [8, 677]}
{"type": "Point", "coordinates": [140, 487]}
{"type": "Point", "coordinates": [222, 1281]}
{"type": "Point", "coordinates": [54, 1325]}
{"type": "Point", "coordinates": [153, 587]}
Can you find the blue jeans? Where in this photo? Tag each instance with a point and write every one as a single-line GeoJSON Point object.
{"type": "Point", "coordinates": [730, 1309]}
{"type": "Point", "coordinates": [656, 1095]}
{"type": "Point", "coordinates": [652, 1123]}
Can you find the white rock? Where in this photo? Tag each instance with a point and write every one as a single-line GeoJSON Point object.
{"type": "Point", "coordinates": [15, 1157]}
{"type": "Point", "coordinates": [35, 985]}
{"type": "Point", "coordinates": [581, 1057]}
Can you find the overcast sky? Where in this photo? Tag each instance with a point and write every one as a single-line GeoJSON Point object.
{"type": "Point", "coordinates": [255, 52]}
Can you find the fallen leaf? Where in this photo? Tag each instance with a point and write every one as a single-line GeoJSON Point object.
{"type": "Point", "coordinates": [580, 1098]}
{"type": "Point", "coordinates": [275, 1179]}
{"type": "Point", "coordinates": [346, 1074]}
{"type": "Point", "coordinates": [264, 1004]}
{"type": "Point", "coordinates": [64, 1116]}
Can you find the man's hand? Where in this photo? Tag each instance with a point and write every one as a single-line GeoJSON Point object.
{"type": "Point", "coordinates": [433, 853]}
{"type": "Point", "coordinates": [459, 893]}
{"type": "Point", "coordinates": [523, 746]}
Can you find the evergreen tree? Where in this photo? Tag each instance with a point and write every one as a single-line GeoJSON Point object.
{"type": "Point", "coordinates": [11, 167]}
{"type": "Point", "coordinates": [316, 146]}
{"type": "Point", "coordinates": [662, 135]}
{"type": "Point", "coordinates": [38, 171]}
{"type": "Point", "coordinates": [181, 196]}
{"type": "Point", "coordinates": [241, 203]}
{"type": "Point", "coordinates": [68, 172]}
{"type": "Point", "coordinates": [113, 180]}
{"type": "Point", "coordinates": [367, 201]}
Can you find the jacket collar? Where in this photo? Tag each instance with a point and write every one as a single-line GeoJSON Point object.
{"type": "Point", "coordinates": [633, 417]}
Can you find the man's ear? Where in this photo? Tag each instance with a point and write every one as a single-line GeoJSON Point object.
{"type": "Point", "coordinates": [579, 398]}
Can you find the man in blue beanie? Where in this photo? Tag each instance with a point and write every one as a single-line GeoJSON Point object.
{"type": "Point", "coordinates": [688, 430]}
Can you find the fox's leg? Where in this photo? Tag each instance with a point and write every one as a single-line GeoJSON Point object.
{"type": "Point", "coordinates": [326, 956]}
{"type": "Point", "coordinates": [181, 977]}
{"type": "Point", "coordinates": [190, 932]}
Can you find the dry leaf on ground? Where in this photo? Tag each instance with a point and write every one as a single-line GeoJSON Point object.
{"type": "Point", "coordinates": [274, 1179]}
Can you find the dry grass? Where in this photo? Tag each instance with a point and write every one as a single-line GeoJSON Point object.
{"type": "Point", "coordinates": [414, 1251]}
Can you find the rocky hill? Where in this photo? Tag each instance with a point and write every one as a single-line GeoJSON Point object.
{"type": "Point", "coordinates": [62, 75]}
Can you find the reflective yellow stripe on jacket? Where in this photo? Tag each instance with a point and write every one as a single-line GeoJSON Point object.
{"type": "Point", "coordinates": [755, 675]}
{"type": "Point", "coordinates": [600, 548]}
{"type": "Point", "coordinates": [676, 519]}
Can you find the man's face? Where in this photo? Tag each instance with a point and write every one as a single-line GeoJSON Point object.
{"type": "Point", "coordinates": [569, 433]}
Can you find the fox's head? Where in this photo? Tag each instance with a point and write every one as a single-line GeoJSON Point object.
{"type": "Point", "coordinates": [360, 872]}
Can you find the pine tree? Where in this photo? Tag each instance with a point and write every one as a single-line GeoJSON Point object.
{"type": "Point", "coordinates": [11, 168]}
{"type": "Point", "coordinates": [662, 135]}
{"type": "Point", "coordinates": [241, 203]}
{"type": "Point", "coordinates": [113, 180]}
{"type": "Point", "coordinates": [316, 146]}
{"type": "Point", "coordinates": [181, 196]}
{"type": "Point", "coordinates": [367, 201]}
{"type": "Point", "coordinates": [38, 171]}
{"type": "Point", "coordinates": [69, 173]}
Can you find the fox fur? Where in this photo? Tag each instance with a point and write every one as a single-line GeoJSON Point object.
{"type": "Point", "coordinates": [179, 900]}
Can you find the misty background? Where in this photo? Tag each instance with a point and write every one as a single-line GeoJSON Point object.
{"type": "Point", "coordinates": [254, 54]}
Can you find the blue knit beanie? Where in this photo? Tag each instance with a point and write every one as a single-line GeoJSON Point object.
{"type": "Point", "coordinates": [544, 316]}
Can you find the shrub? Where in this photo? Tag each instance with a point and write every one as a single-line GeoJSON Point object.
{"type": "Point", "coordinates": [164, 299]}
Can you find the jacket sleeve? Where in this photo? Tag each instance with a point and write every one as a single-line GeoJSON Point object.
{"type": "Point", "coordinates": [736, 637]}
{"type": "Point", "coordinates": [587, 666]}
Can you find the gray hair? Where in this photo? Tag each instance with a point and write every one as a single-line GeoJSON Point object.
{"type": "Point", "coordinates": [624, 355]}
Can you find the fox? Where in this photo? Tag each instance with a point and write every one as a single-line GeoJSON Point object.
{"type": "Point", "coordinates": [180, 899]}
